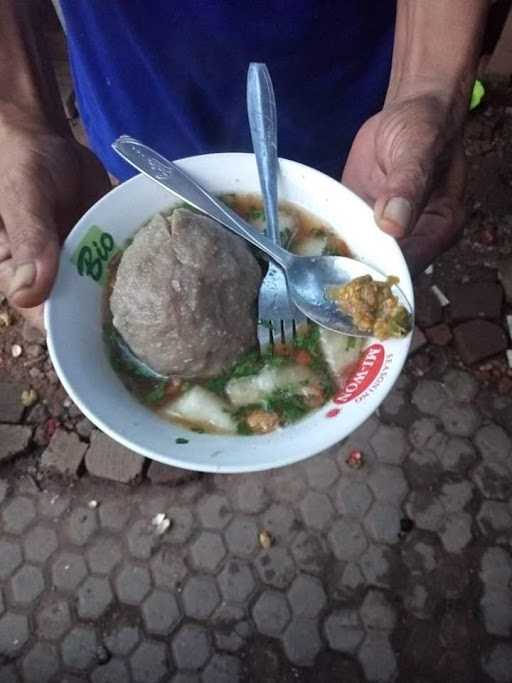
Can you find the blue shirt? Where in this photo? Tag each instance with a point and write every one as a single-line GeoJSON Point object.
{"type": "Point", "coordinates": [173, 73]}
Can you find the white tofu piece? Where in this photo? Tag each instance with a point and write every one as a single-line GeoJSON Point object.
{"type": "Point", "coordinates": [340, 351]}
{"type": "Point", "coordinates": [201, 408]}
{"type": "Point", "coordinates": [254, 389]}
{"type": "Point", "coordinates": [311, 246]}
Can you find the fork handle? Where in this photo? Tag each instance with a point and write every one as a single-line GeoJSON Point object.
{"type": "Point", "coordinates": [261, 108]}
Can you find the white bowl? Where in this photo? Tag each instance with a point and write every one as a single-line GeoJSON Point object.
{"type": "Point", "coordinates": [74, 324]}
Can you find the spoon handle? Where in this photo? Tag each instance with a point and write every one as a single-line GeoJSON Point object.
{"type": "Point", "coordinates": [261, 107]}
{"type": "Point", "coordinates": [170, 176]}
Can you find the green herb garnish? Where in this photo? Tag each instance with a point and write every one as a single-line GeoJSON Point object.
{"type": "Point", "coordinates": [181, 440]}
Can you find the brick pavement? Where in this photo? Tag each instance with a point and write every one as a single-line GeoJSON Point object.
{"type": "Point", "coordinates": [399, 570]}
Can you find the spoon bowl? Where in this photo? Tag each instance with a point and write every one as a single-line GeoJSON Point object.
{"type": "Point", "coordinates": [310, 279]}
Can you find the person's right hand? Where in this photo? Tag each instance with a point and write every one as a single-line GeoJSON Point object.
{"type": "Point", "coordinates": [46, 183]}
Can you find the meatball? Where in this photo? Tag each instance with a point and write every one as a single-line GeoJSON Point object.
{"type": "Point", "coordinates": [184, 297]}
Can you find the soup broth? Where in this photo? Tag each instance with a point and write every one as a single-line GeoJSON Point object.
{"type": "Point", "coordinates": [265, 389]}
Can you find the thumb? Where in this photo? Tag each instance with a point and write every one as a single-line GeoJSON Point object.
{"type": "Point", "coordinates": [405, 193]}
{"type": "Point", "coordinates": [34, 245]}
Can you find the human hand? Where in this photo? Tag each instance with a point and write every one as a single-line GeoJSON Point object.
{"type": "Point", "coordinates": [408, 163]}
{"type": "Point", "coordinates": [46, 183]}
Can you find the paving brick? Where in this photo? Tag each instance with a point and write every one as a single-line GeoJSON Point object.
{"type": "Point", "coordinates": [161, 612]}
{"type": "Point", "coordinates": [64, 454]}
{"type": "Point", "coordinates": [200, 596]}
{"type": "Point", "coordinates": [494, 480]}
{"type": "Point", "coordinates": [461, 385]}
{"type": "Point", "coordinates": [494, 516]}
{"type": "Point", "coordinates": [455, 532]}
{"type": "Point", "coordinates": [40, 664]}
{"type": "Point", "coordinates": [347, 539]}
{"type": "Point", "coordinates": [428, 308]}
{"type": "Point", "coordinates": [11, 407]}
{"type": "Point", "coordinates": [287, 484]}
{"type": "Point", "coordinates": [317, 510]}
{"type": "Point", "coordinates": [132, 584]}
{"type": "Point", "coordinates": [496, 568]}
{"type": "Point", "coordinates": [228, 642]}
{"type": "Point", "coordinates": [275, 567]}
{"type": "Point", "coordinates": [425, 511]}
{"type": "Point", "coordinates": [306, 597]}
{"type": "Point", "coordinates": [17, 514]}
{"type": "Point", "coordinates": [53, 504]}
{"type": "Point", "coordinates": [13, 633]}
{"type": "Point", "coordinates": [141, 539]}
{"type": "Point", "coordinates": [185, 678]}
{"type": "Point", "coordinates": [13, 440]}
{"type": "Point", "coordinates": [457, 454]}
{"type": "Point", "coordinates": [375, 565]}
{"type": "Point", "coordinates": [343, 630]}
{"type": "Point", "coordinates": [418, 341]}
{"type": "Point", "coordinates": [8, 674]}
{"type": "Point", "coordinates": [103, 555]}
{"type": "Point", "coordinates": [158, 473]}
{"type": "Point", "coordinates": [236, 581]}
{"type": "Point", "coordinates": [182, 525]}
{"type": "Point", "coordinates": [416, 601]}
{"type": "Point", "coordinates": [353, 498]}
{"type": "Point", "coordinates": [422, 430]}
{"type": "Point", "coordinates": [81, 525]}
{"type": "Point", "coordinates": [109, 460]}
{"type": "Point", "coordinates": [114, 514]}
{"type": "Point", "coordinates": [149, 662]}
{"type": "Point", "coordinates": [222, 669]}
{"type": "Point", "coordinates": [191, 647]}
{"type": "Point", "coordinates": [68, 570]}
{"type": "Point", "coordinates": [271, 613]}
{"type": "Point", "coordinates": [383, 522]}
{"type": "Point", "coordinates": [39, 544]}
{"type": "Point", "coordinates": [388, 484]}
{"type": "Point", "coordinates": [168, 569]}
{"type": "Point", "coordinates": [94, 597]}
{"type": "Point", "coordinates": [430, 397]}
{"type": "Point", "coordinates": [393, 404]}
{"type": "Point", "coordinates": [377, 657]}
{"type": "Point", "coordinates": [249, 494]}
{"type": "Point", "coordinates": [207, 551]}
{"type": "Point", "coordinates": [496, 608]}
{"type": "Point", "coordinates": [460, 419]}
{"type": "Point", "coordinates": [78, 648]}
{"type": "Point", "coordinates": [498, 663]}
{"type": "Point", "coordinates": [242, 536]}
{"type": "Point", "coordinates": [10, 558]}
{"type": "Point", "coordinates": [214, 511]}
{"type": "Point", "coordinates": [390, 444]}
{"type": "Point", "coordinates": [122, 639]}
{"type": "Point", "coordinates": [53, 619]}
{"type": "Point", "coordinates": [440, 335]}
{"type": "Point", "coordinates": [351, 578]}
{"type": "Point", "coordinates": [26, 585]}
{"type": "Point", "coordinates": [455, 496]}
{"type": "Point", "coordinates": [4, 490]}
{"type": "Point", "coordinates": [310, 552]}
{"type": "Point", "coordinates": [114, 671]}
{"type": "Point", "coordinates": [423, 468]}
{"type": "Point", "coordinates": [479, 339]}
{"type": "Point", "coordinates": [321, 471]}
{"type": "Point", "coordinates": [376, 612]}
{"type": "Point", "coordinates": [475, 300]}
{"type": "Point", "coordinates": [281, 521]}
{"type": "Point", "coordinates": [493, 443]}
{"type": "Point", "coordinates": [301, 641]}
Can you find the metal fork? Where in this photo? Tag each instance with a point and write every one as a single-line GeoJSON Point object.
{"type": "Point", "coordinates": [278, 318]}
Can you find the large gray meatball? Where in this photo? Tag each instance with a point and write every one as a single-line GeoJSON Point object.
{"type": "Point", "coordinates": [185, 295]}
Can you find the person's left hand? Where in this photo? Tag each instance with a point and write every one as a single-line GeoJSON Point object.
{"type": "Point", "coordinates": [408, 163]}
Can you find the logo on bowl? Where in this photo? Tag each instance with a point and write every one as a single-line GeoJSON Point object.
{"type": "Point", "coordinates": [368, 369]}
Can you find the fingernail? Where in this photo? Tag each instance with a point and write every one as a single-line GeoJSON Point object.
{"type": "Point", "coordinates": [24, 276]}
{"type": "Point", "coordinates": [399, 211]}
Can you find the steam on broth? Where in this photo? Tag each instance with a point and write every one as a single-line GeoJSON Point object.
{"type": "Point", "coordinates": [262, 390]}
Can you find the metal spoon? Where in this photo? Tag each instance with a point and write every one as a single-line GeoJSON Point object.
{"type": "Point", "coordinates": [309, 277]}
